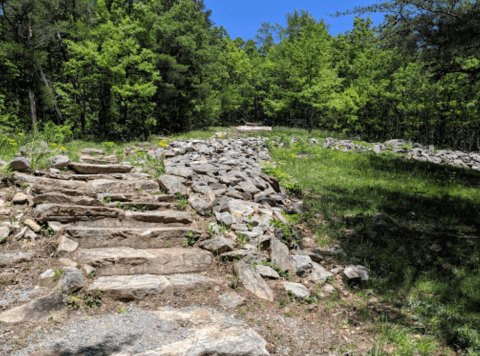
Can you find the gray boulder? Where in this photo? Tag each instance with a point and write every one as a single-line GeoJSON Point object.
{"type": "Point", "coordinates": [71, 280]}
{"type": "Point", "coordinates": [20, 164]}
{"type": "Point", "coordinates": [297, 289]}
{"type": "Point", "coordinates": [356, 273]}
{"type": "Point", "coordinates": [59, 162]}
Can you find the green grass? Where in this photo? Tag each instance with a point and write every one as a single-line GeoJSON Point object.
{"type": "Point", "coordinates": [433, 262]}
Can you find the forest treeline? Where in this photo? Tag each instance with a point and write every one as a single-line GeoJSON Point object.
{"type": "Point", "coordinates": [130, 68]}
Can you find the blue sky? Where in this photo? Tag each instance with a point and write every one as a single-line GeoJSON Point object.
{"type": "Point", "coordinates": [243, 18]}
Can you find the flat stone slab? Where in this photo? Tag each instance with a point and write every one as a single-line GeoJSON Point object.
{"type": "Point", "coordinates": [37, 310]}
{"type": "Point", "coordinates": [11, 259]}
{"type": "Point", "coordinates": [64, 199]}
{"type": "Point", "coordinates": [252, 281]}
{"type": "Point", "coordinates": [133, 287]}
{"type": "Point", "coordinates": [86, 168]}
{"type": "Point", "coordinates": [122, 186]}
{"type": "Point", "coordinates": [55, 184]}
{"type": "Point", "coordinates": [186, 282]}
{"type": "Point", "coordinates": [129, 261]}
{"type": "Point", "coordinates": [74, 213]}
{"type": "Point", "coordinates": [139, 238]}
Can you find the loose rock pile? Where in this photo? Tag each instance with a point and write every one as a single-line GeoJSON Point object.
{"type": "Point", "coordinates": [417, 152]}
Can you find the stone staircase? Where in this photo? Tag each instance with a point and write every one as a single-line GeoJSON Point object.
{"type": "Point", "coordinates": [122, 227]}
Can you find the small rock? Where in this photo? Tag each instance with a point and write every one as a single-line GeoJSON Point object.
{"type": "Point", "coordinates": [172, 184]}
{"type": "Point", "coordinates": [4, 232]}
{"type": "Point", "coordinates": [266, 272]}
{"type": "Point", "coordinates": [319, 274]}
{"type": "Point", "coordinates": [356, 273]}
{"type": "Point", "coordinates": [59, 162]}
{"type": "Point", "coordinates": [39, 309]}
{"type": "Point", "coordinates": [252, 281]}
{"type": "Point", "coordinates": [29, 234]}
{"type": "Point", "coordinates": [298, 290]}
{"type": "Point", "coordinates": [49, 273]}
{"type": "Point", "coordinates": [217, 245]}
{"type": "Point", "coordinates": [302, 265]}
{"type": "Point", "coordinates": [20, 198]}
{"type": "Point", "coordinates": [71, 280]}
{"type": "Point", "coordinates": [225, 218]}
{"type": "Point", "coordinates": [231, 300]}
{"type": "Point", "coordinates": [19, 236]}
{"type": "Point", "coordinates": [67, 262]}
{"type": "Point", "coordinates": [11, 259]}
{"type": "Point", "coordinates": [88, 269]}
{"type": "Point", "coordinates": [32, 225]}
{"type": "Point", "coordinates": [329, 289]}
{"type": "Point", "coordinates": [66, 245]}
{"type": "Point", "coordinates": [336, 270]}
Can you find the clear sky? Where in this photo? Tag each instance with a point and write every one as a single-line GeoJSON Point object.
{"type": "Point", "coordinates": [243, 18]}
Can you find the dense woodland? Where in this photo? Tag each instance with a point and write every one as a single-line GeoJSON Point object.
{"type": "Point", "coordinates": [120, 69]}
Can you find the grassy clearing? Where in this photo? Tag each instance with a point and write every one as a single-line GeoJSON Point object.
{"type": "Point", "coordinates": [431, 269]}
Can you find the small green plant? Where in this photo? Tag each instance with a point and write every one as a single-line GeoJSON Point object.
{"type": "Point", "coordinates": [107, 200]}
{"type": "Point", "coordinates": [235, 283]}
{"type": "Point", "coordinates": [191, 239]}
{"type": "Point", "coordinates": [181, 202]}
{"type": "Point", "coordinates": [241, 240]}
{"type": "Point", "coordinates": [73, 302]}
{"type": "Point", "coordinates": [58, 273]}
{"type": "Point", "coordinates": [122, 310]}
{"type": "Point", "coordinates": [93, 298]}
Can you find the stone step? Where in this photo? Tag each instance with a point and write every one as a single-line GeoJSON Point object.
{"type": "Point", "coordinates": [114, 197]}
{"type": "Point", "coordinates": [128, 261]}
{"type": "Point", "coordinates": [79, 213]}
{"type": "Point", "coordinates": [113, 176]}
{"type": "Point", "coordinates": [127, 288]}
{"type": "Point", "coordinates": [65, 199]}
{"type": "Point", "coordinates": [88, 168]}
{"type": "Point", "coordinates": [139, 238]}
{"type": "Point", "coordinates": [140, 205]}
{"type": "Point", "coordinates": [98, 185]}
{"type": "Point", "coordinates": [99, 159]}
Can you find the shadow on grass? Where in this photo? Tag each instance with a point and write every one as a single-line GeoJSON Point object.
{"type": "Point", "coordinates": [435, 256]}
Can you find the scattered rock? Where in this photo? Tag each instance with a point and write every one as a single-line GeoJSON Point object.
{"type": "Point", "coordinates": [279, 255]}
{"type": "Point", "coordinates": [4, 232]}
{"type": "Point", "coordinates": [231, 300]}
{"type": "Point", "coordinates": [49, 273]}
{"type": "Point", "coordinates": [11, 259]}
{"type": "Point", "coordinates": [298, 290]}
{"type": "Point", "coordinates": [356, 273]}
{"type": "Point", "coordinates": [252, 281]}
{"type": "Point", "coordinates": [66, 245]}
{"type": "Point", "coordinates": [20, 198]}
{"type": "Point", "coordinates": [302, 265]}
{"type": "Point", "coordinates": [319, 274]}
{"type": "Point", "coordinates": [172, 184]}
{"type": "Point", "coordinates": [32, 225]}
{"type": "Point", "coordinates": [217, 245]}
{"type": "Point", "coordinates": [20, 164]}
{"type": "Point", "coordinates": [266, 272]}
{"type": "Point", "coordinates": [71, 280]}
{"type": "Point", "coordinates": [40, 309]}
{"type": "Point", "coordinates": [59, 162]}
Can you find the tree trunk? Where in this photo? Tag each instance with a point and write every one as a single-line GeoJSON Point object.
{"type": "Point", "coordinates": [57, 109]}
{"type": "Point", "coordinates": [33, 110]}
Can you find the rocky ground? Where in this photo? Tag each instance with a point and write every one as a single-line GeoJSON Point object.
{"type": "Point", "coordinates": [99, 257]}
